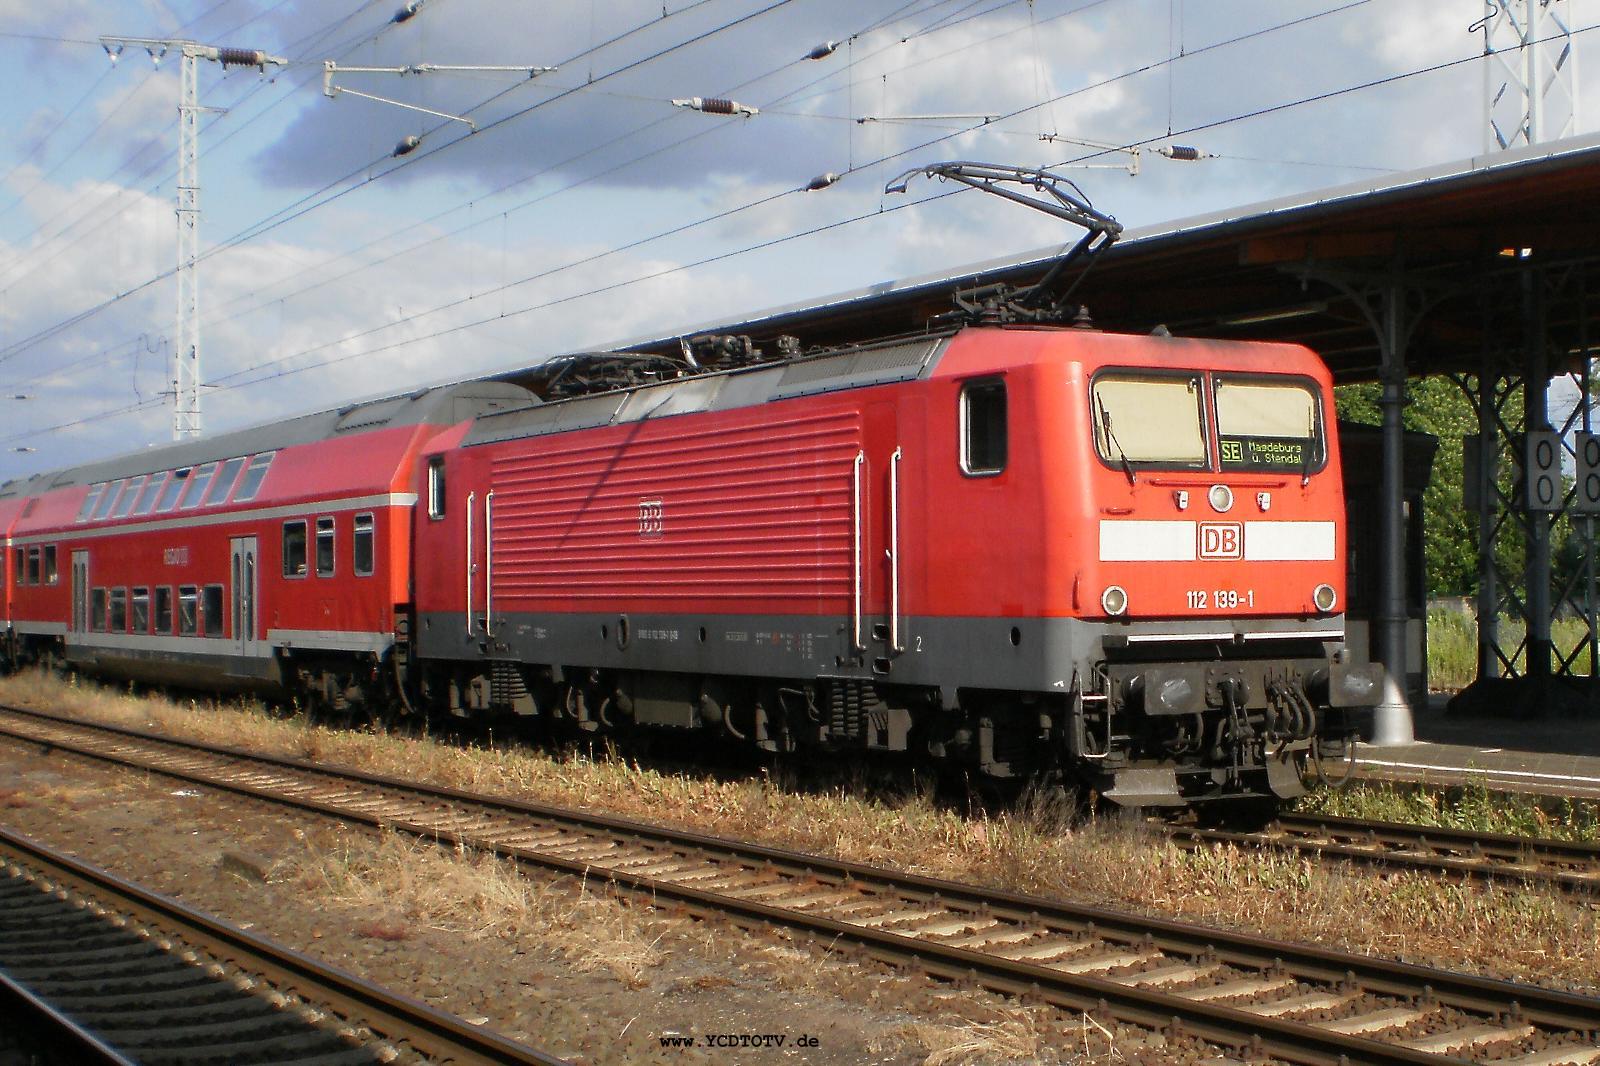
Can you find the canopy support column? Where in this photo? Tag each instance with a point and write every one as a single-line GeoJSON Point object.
{"type": "Point", "coordinates": [1391, 721]}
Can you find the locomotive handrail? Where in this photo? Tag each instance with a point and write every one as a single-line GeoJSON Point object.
{"type": "Point", "coordinates": [894, 551]}
{"type": "Point", "coordinates": [472, 498]}
{"type": "Point", "coordinates": [855, 536]}
{"type": "Point", "coordinates": [488, 564]}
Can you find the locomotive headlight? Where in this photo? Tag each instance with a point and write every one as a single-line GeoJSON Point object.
{"type": "Point", "coordinates": [1114, 599]}
{"type": "Point", "coordinates": [1325, 598]}
{"type": "Point", "coordinates": [1220, 497]}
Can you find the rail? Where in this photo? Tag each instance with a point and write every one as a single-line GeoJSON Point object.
{"type": "Point", "coordinates": [112, 972]}
{"type": "Point", "coordinates": [1298, 1003]}
{"type": "Point", "coordinates": [1458, 854]}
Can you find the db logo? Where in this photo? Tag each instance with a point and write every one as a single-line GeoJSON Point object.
{"type": "Point", "coordinates": [652, 518]}
{"type": "Point", "coordinates": [1221, 540]}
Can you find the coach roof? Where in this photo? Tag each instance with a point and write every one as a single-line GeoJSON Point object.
{"type": "Point", "coordinates": [444, 405]}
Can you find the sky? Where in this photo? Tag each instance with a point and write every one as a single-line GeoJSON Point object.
{"type": "Point", "coordinates": [582, 208]}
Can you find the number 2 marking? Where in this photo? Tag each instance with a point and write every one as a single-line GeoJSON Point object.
{"type": "Point", "coordinates": [919, 643]}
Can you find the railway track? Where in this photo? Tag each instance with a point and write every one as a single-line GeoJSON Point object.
{"type": "Point", "coordinates": [1451, 853]}
{"type": "Point", "coordinates": [1259, 996]}
{"type": "Point", "coordinates": [95, 969]}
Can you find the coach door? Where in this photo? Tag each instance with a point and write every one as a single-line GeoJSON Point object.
{"type": "Point", "coordinates": [80, 592]}
{"type": "Point", "coordinates": [246, 591]}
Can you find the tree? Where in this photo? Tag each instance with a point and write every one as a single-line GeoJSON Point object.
{"type": "Point", "coordinates": [1450, 532]}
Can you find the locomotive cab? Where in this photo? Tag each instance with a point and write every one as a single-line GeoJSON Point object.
{"type": "Point", "coordinates": [1214, 510]}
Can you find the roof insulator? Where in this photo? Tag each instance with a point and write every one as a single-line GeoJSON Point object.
{"type": "Point", "coordinates": [407, 12]}
{"type": "Point", "coordinates": [1183, 153]}
{"type": "Point", "coordinates": [407, 145]}
{"type": "Point", "coordinates": [822, 181]}
{"type": "Point", "coordinates": [713, 105]}
{"type": "Point", "coordinates": [823, 50]}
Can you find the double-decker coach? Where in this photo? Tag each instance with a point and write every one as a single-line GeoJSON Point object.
{"type": "Point", "coordinates": [277, 557]}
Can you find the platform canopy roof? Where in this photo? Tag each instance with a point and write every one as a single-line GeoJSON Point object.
{"type": "Point", "coordinates": [1308, 269]}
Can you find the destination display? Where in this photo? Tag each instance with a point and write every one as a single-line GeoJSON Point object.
{"type": "Point", "coordinates": [1267, 453]}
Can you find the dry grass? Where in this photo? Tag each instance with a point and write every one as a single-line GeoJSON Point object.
{"type": "Point", "coordinates": [401, 885]}
{"type": "Point", "coordinates": [1527, 934]}
{"type": "Point", "coordinates": [1474, 807]}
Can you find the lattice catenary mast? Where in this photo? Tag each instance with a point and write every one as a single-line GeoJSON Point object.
{"type": "Point", "coordinates": [1530, 72]}
{"type": "Point", "coordinates": [186, 346]}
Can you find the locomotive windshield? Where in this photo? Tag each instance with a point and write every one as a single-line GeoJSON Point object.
{"type": "Point", "coordinates": [1267, 425]}
{"type": "Point", "coordinates": [1148, 418]}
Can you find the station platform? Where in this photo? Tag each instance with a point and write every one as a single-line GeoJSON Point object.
{"type": "Point", "coordinates": [1546, 756]}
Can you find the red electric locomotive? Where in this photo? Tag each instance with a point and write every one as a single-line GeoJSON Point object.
{"type": "Point", "coordinates": [1114, 560]}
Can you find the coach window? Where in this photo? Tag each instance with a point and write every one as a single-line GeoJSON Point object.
{"type": "Point", "coordinates": [139, 610]}
{"type": "Point", "coordinates": [119, 610]}
{"type": "Point", "coordinates": [224, 482]}
{"type": "Point", "coordinates": [164, 609]}
{"type": "Point", "coordinates": [325, 547]}
{"type": "Point", "coordinates": [175, 484]}
{"type": "Point", "coordinates": [294, 548]}
{"type": "Point", "coordinates": [129, 496]}
{"type": "Point", "coordinates": [211, 612]}
{"type": "Point", "coordinates": [52, 576]}
{"type": "Point", "coordinates": [188, 610]}
{"type": "Point", "coordinates": [364, 546]}
{"type": "Point", "coordinates": [152, 492]}
{"type": "Point", "coordinates": [197, 485]}
{"type": "Point", "coordinates": [97, 610]}
{"type": "Point", "coordinates": [19, 564]}
{"type": "Point", "coordinates": [436, 487]}
{"type": "Point", "coordinates": [109, 499]}
{"type": "Point", "coordinates": [1149, 418]}
{"type": "Point", "coordinates": [254, 474]}
{"type": "Point", "coordinates": [90, 500]}
{"type": "Point", "coordinates": [983, 427]}
{"type": "Point", "coordinates": [32, 577]}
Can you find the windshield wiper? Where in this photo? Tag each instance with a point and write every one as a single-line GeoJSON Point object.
{"type": "Point", "coordinates": [1111, 439]}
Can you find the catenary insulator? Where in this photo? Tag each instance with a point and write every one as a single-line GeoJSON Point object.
{"type": "Point", "coordinates": [712, 105]}
{"type": "Point", "coordinates": [407, 12]}
{"type": "Point", "coordinates": [242, 57]}
{"type": "Point", "coordinates": [1183, 152]}
{"type": "Point", "coordinates": [823, 50]}
{"type": "Point", "coordinates": [821, 181]}
{"type": "Point", "coordinates": [407, 145]}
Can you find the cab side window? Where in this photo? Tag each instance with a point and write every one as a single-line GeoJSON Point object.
{"type": "Point", "coordinates": [436, 487]}
{"type": "Point", "coordinates": [983, 427]}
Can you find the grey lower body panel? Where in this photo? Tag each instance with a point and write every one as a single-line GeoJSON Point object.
{"type": "Point", "coordinates": [1016, 654]}
{"type": "Point", "coordinates": [218, 667]}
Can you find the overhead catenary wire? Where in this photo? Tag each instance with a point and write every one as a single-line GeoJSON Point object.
{"type": "Point", "coordinates": [863, 216]}
{"type": "Point", "coordinates": [831, 226]}
{"type": "Point", "coordinates": [277, 298]}
{"type": "Point", "coordinates": [93, 214]}
{"type": "Point", "coordinates": [272, 221]}
{"type": "Point", "coordinates": [588, 87]}
{"type": "Point", "coordinates": [672, 231]}
{"type": "Point", "coordinates": [305, 204]}
{"type": "Point", "coordinates": [903, 152]}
